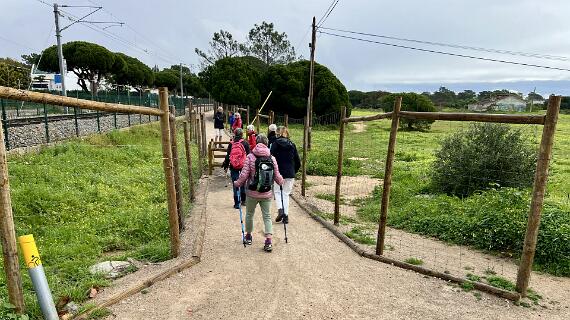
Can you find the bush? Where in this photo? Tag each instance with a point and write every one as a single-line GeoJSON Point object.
{"type": "Point", "coordinates": [484, 156]}
{"type": "Point", "coordinates": [410, 102]}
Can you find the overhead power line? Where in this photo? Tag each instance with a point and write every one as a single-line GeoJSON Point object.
{"type": "Point", "coordinates": [327, 13]}
{"type": "Point", "coordinates": [444, 52]}
{"type": "Point", "coordinates": [456, 46]}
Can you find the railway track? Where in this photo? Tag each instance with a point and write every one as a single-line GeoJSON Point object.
{"type": "Point", "coordinates": [19, 122]}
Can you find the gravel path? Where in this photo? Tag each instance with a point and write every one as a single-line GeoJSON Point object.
{"type": "Point", "coordinates": [314, 276]}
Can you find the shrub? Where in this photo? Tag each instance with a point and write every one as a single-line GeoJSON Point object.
{"type": "Point", "coordinates": [484, 156]}
{"type": "Point", "coordinates": [410, 102]}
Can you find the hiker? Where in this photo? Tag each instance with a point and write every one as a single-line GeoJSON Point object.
{"type": "Point", "coordinates": [251, 136]}
{"type": "Point", "coordinates": [271, 135]}
{"type": "Point", "coordinates": [259, 173]}
{"type": "Point", "coordinates": [237, 122]}
{"type": "Point", "coordinates": [231, 120]}
{"type": "Point", "coordinates": [285, 152]}
{"type": "Point", "coordinates": [237, 152]}
{"type": "Point", "coordinates": [219, 124]}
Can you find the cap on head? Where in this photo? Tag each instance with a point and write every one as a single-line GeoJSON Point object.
{"type": "Point", "coordinates": [236, 115]}
{"type": "Point", "coordinates": [272, 127]}
{"type": "Point", "coordinates": [251, 127]}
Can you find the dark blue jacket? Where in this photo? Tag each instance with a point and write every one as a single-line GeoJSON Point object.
{"type": "Point", "coordinates": [285, 152]}
{"type": "Point", "coordinates": [219, 120]}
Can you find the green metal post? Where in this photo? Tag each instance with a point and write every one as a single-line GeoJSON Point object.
{"type": "Point", "coordinates": [5, 125]}
{"type": "Point", "coordinates": [46, 125]}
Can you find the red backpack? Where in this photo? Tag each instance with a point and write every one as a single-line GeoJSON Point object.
{"type": "Point", "coordinates": [237, 155]}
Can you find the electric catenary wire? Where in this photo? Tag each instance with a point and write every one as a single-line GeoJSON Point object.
{"type": "Point", "coordinates": [327, 13]}
{"type": "Point", "coordinates": [444, 52]}
{"type": "Point", "coordinates": [457, 46]}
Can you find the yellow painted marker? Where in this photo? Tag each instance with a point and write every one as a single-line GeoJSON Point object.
{"type": "Point", "coordinates": [38, 276]}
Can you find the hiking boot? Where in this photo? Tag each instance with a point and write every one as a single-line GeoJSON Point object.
{"type": "Point", "coordinates": [267, 247]}
{"type": "Point", "coordinates": [285, 219]}
{"type": "Point", "coordinates": [236, 206]}
{"type": "Point", "coordinates": [248, 239]}
{"type": "Point", "coordinates": [280, 215]}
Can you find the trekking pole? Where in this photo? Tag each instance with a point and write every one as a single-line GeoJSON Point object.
{"type": "Point", "coordinates": [283, 206]}
{"type": "Point", "coordinates": [241, 217]}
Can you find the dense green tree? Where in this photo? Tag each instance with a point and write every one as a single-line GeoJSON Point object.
{"type": "Point", "coordinates": [223, 45]}
{"type": "Point", "coordinates": [467, 95]}
{"type": "Point", "coordinates": [290, 86]}
{"type": "Point", "coordinates": [356, 98]}
{"type": "Point", "coordinates": [534, 96]}
{"type": "Point", "coordinates": [410, 102]}
{"type": "Point", "coordinates": [564, 104]}
{"type": "Point", "coordinates": [31, 59]}
{"type": "Point", "coordinates": [233, 81]}
{"type": "Point", "coordinates": [90, 62]}
{"type": "Point", "coordinates": [270, 46]}
{"type": "Point", "coordinates": [444, 97]}
{"type": "Point", "coordinates": [14, 74]}
{"type": "Point", "coordinates": [166, 78]}
{"type": "Point", "coordinates": [135, 74]}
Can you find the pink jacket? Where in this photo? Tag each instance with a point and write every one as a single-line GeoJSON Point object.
{"type": "Point", "coordinates": [248, 172]}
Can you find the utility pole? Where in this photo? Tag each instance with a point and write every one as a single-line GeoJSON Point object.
{"type": "Point", "coordinates": [59, 49]}
{"type": "Point", "coordinates": [182, 89]}
{"type": "Point", "coordinates": [311, 84]}
{"type": "Point", "coordinates": [532, 99]}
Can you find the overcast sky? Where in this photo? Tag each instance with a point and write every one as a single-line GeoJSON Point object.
{"type": "Point", "coordinates": [169, 30]}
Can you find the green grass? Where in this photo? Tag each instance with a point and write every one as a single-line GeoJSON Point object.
{"type": "Point", "coordinates": [360, 236]}
{"type": "Point", "coordinates": [493, 220]}
{"type": "Point", "coordinates": [500, 282]}
{"type": "Point", "coordinates": [414, 261]}
{"type": "Point", "coordinates": [87, 201]}
{"type": "Point", "coordinates": [330, 197]}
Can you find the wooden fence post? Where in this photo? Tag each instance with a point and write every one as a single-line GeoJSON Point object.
{"type": "Point", "coordinates": [258, 121]}
{"type": "Point", "coordinates": [199, 143]}
{"type": "Point", "coordinates": [210, 157]}
{"type": "Point", "coordinates": [304, 162]}
{"type": "Point", "coordinates": [339, 167]}
{"type": "Point", "coordinates": [168, 174]}
{"type": "Point", "coordinates": [176, 168]}
{"type": "Point", "coordinates": [387, 184]}
{"type": "Point", "coordinates": [203, 134]}
{"type": "Point", "coordinates": [286, 120]}
{"type": "Point", "coordinates": [247, 115]}
{"type": "Point", "coordinates": [188, 149]}
{"type": "Point", "coordinates": [271, 117]}
{"type": "Point", "coordinates": [538, 190]}
{"type": "Point", "coordinates": [8, 235]}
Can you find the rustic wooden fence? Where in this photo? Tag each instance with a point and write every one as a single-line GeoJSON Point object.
{"type": "Point", "coordinates": [545, 152]}
{"type": "Point", "coordinates": [170, 165]}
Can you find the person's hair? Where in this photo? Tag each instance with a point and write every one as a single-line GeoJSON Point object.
{"type": "Point", "coordinates": [272, 127]}
{"type": "Point", "coordinates": [283, 132]}
{"type": "Point", "coordinates": [220, 109]}
{"type": "Point", "coordinates": [261, 138]}
{"type": "Point", "coordinates": [251, 127]}
{"type": "Point", "coordinates": [238, 133]}
{"type": "Point", "coordinates": [236, 115]}
{"type": "Point", "coordinates": [231, 112]}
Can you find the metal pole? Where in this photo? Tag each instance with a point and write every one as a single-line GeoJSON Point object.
{"type": "Point", "coordinates": [46, 125]}
{"type": "Point", "coordinates": [76, 122]}
{"type": "Point", "coordinates": [5, 125]}
{"type": "Point", "coordinates": [59, 49]}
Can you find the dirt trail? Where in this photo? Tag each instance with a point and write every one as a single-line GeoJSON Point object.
{"type": "Point", "coordinates": [314, 276]}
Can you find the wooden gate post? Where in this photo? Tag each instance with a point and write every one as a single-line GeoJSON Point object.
{"type": "Point", "coordinates": [199, 143]}
{"type": "Point", "coordinates": [339, 167]}
{"type": "Point", "coordinates": [538, 190]}
{"type": "Point", "coordinates": [286, 120]}
{"type": "Point", "coordinates": [176, 169]}
{"type": "Point", "coordinates": [258, 121]}
{"type": "Point", "coordinates": [187, 147]}
{"type": "Point", "coordinates": [203, 134]}
{"type": "Point", "coordinates": [304, 162]}
{"type": "Point", "coordinates": [248, 115]}
{"type": "Point", "coordinates": [8, 235]}
{"type": "Point", "coordinates": [169, 174]}
{"type": "Point", "coordinates": [387, 184]}
{"type": "Point", "coordinates": [210, 157]}
{"type": "Point", "coordinates": [271, 117]}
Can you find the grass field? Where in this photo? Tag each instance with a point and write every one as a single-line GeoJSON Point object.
{"type": "Point", "coordinates": [91, 200]}
{"type": "Point", "coordinates": [493, 220]}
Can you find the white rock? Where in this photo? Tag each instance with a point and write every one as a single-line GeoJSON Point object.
{"type": "Point", "coordinates": [111, 269]}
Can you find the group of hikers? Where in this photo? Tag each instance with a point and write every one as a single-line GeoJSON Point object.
{"type": "Point", "coordinates": [262, 168]}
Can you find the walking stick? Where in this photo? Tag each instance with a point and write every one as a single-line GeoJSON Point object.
{"type": "Point", "coordinates": [283, 206]}
{"type": "Point", "coordinates": [241, 217]}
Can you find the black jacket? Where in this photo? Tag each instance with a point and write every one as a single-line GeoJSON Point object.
{"type": "Point", "coordinates": [227, 163]}
{"type": "Point", "coordinates": [219, 120]}
{"type": "Point", "coordinates": [272, 137]}
{"type": "Point", "coordinates": [285, 152]}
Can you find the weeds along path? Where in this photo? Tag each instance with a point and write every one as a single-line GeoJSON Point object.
{"type": "Point", "coordinates": [314, 276]}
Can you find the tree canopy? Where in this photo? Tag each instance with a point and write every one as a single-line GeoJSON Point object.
{"type": "Point", "coordinates": [166, 78]}
{"type": "Point", "coordinates": [90, 62]}
{"type": "Point", "coordinates": [270, 46]}
{"type": "Point", "coordinates": [410, 102]}
{"type": "Point", "coordinates": [223, 45]}
{"type": "Point", "coordinates": [135, 73]}
{"type": "Point", "coordinates": [14, 74]}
